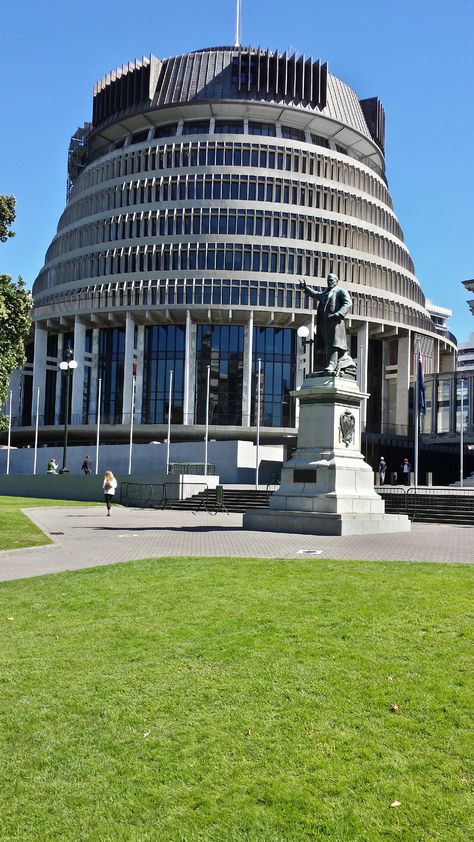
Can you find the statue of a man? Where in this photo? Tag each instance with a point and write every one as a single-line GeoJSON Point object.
{"type": "Point", "coordinates": [334, 304]}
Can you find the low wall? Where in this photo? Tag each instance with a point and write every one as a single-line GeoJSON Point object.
{"type": "Point", "coordinates": [234, 460]}
{"type": "Point", "coordinates": [89, 489]}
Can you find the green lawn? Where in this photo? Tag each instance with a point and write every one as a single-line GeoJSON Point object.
{"type": "Point", "coordinates": [16, 530]}
{"type": "Point", "coordinates": [237, 700]}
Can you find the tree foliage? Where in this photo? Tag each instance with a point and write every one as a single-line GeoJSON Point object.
{"type": "Point", "coordinates": [7, 217]}
{"type": "Point", "coordinates": [15, 311]}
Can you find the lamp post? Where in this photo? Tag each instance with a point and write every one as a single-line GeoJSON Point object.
{"type": "Point", "coordinates": [303, 333]}
{"type": "Point", "coordinates": [67, 366]}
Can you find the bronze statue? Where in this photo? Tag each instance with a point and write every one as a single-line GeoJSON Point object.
{"type": "Point", "coordinates": [331, 339]}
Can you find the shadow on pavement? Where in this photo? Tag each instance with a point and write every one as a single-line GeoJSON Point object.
{"type": "Point", "coordinates": [164, 528]}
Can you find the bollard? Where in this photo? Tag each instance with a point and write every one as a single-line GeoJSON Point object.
{"type": "Point", "coordinates": [429, 478]}
{"type": "Point", "coordinates": [376, 478]}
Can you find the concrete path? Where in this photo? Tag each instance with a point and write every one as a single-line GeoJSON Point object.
{"type": "Point", "coordinates": [85, 537]}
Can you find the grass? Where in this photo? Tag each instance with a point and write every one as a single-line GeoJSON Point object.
{"type": "Point", "coordinates": [238, 700]}
{"type": "Point", "coordinates": [16, 530]}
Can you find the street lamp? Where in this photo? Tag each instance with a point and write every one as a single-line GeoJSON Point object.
{"type": "Point", "coordinates": [67, 366]}
{"type": "Point", "coordinates": [303, 333]}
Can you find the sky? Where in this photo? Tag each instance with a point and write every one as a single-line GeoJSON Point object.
{"type": "Point", "coordinates": [416, 56]}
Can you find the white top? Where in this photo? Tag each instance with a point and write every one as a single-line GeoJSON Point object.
{"type": "Point", "coordinates": [112, 482]}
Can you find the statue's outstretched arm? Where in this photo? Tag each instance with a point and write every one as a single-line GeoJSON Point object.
{"type": "Point", "coordinates": [312, 292]}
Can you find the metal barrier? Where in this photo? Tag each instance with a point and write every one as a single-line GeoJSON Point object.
{"type": "Point", "coordinates": [142, 495]}
{"type": "Point", "coordinates": [435, 505]}
{"type": "Point", "coordinates": [213, 504]}
{"type": "Point", "coordinates": [192, 468]}
{"type": "Point", "coordinates": [271, 488]}
{"type": "Point", "coordinates": [157, 495]}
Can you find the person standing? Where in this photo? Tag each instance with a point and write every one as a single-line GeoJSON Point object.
{"type": "Point", "coordinates": [87, 466]}
{"type": "Point", "coordinates": [405, 469]}
{"type": "Point", "coordinates": [382, 470]}
{"type": "Point", "coordinates": [109, 485]}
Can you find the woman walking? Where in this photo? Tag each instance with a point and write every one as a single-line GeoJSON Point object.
{"type": "Point", "coordinates": [109, 485]}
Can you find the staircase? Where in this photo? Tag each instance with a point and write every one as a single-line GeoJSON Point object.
{"type": "Point", "coordinates": [235, 500]}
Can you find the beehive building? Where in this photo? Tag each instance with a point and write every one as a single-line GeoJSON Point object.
{"type": "Point", "coordinates": [203, 189]}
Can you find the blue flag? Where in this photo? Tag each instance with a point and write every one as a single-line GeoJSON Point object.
{"type": "Point", "coordinates": [421, 387]}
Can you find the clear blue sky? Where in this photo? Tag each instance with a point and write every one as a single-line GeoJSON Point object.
{"type": "Point", "coordinates": [417, 56]}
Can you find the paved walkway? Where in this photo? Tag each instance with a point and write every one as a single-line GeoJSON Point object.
{"type": "Point", "coordinates": [85, 537]}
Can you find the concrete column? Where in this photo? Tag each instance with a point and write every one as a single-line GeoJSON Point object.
{"type": "Point", "coordinates": [128, 369]}
{"type": "Point", "coordinates": [403, 383]}
{"type": "Point", "coordinates": [139, 373]}
{"type": "Point", "coordinates": [247, 376]}
{"type": "Point", "coordinates": [189, 370]}
{"type": "Point", "coordinates": [78, 376]}
{"type": "Point", "coordinates": [362, 369]}
{"type": "Point", "coordinates": [39, 370]}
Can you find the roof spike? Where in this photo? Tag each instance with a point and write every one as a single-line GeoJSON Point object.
{"type": "Point", "coordinates": [238, 23]}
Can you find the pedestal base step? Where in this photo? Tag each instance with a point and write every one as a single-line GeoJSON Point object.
{"type": "Point", "coordinates": [317, 523]}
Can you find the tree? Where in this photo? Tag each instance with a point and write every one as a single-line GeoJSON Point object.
{"type": "Point", "coordinates": [7, 217]}
{"type": "Point", "coordinates": [15, 311]}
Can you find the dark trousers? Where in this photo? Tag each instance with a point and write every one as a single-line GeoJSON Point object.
{"type": "Point", "coordinates": [108, 501]}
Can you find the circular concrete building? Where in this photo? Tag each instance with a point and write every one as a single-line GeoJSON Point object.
{"type": "Point", "coordinates": [203, 189]}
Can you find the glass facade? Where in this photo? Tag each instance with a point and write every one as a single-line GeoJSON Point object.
{"type": "Point", "coordinates": [50, 396]}
{"type": "Point", "coordinates": [443, 405]}
{"type": "Point", "coordinates": [110, 370]}
{"type": "Point", "coordinates": [164, 349]}
{"type": "Point", "coordinates": [222, 348]}
{"type": "Point", "coordinates": [463, 385]}
{"type": "Point", "coordinates": [276, 348]}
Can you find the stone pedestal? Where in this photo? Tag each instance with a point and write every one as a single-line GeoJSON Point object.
{"type": "Point", "coordinates": [326, 487]}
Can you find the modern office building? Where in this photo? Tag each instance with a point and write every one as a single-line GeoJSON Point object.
{"type": "Point", "coordinates": [466, 355]}
{"type": "Point", "coordinates": [204, 187]}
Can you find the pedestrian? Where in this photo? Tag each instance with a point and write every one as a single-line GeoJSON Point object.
{"type": "Point", "coordinates": [52, 466]}
{"type": "Point", "coordinates": [405, 469]}
{"type": "Point", "coordinates": [382, 470]}
{"type": "Point", "coordinates": [87, 466]}
{"type": "Point", "coordinates": [109, 485]}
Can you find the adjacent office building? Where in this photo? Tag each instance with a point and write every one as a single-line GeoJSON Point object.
{"type": "Point", "coordinates": [204, 187]}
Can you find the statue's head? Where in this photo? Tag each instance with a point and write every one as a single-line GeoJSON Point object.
{"type": "Point", "coordinates": [332, 281]}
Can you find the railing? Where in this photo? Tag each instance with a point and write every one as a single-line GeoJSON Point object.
{"type": "Point", "coordinates": [196, 468]}
{"type": "Point", "coordinates": [158, 495]}
{"type": "Point", "coordinates": [454, 505]}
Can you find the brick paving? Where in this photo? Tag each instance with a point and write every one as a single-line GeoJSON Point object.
{"type": "Point", "coordinates": [89, 539]}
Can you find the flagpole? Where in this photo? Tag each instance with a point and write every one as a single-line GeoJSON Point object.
{"type": "Point", "coordinates": [417, 408]}
{"type": "Point", "coordinates": [169, 424]}
{"type": "Point", "coordinates": [461, 437]}
{"type": "Point", "coordinates": [258, 423]}
{"type": "Point", "coordinates": [99, 396]}
{"type": "Point", "coordinates": [206, 437]}
{"type": "Point", "coordinates": [132, 413]}
{"type": "Point", "coordinates": [36, 430]}
{"type": "Point", "coordinates": [9, 433]}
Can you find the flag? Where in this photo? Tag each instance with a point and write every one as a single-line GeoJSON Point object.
{"type": "Point", "coordinates": [421, 387]}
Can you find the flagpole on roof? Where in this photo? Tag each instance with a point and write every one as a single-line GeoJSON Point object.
{"type": "Point", "coordinates": [237, 24]}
